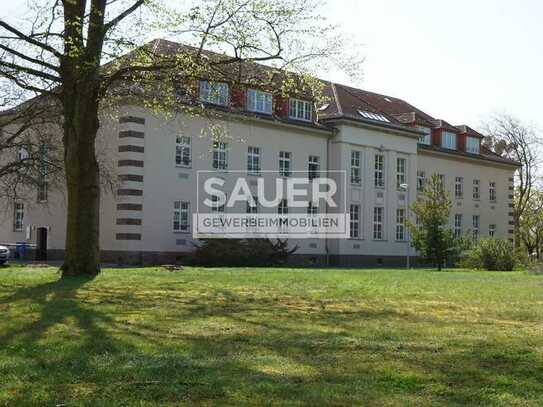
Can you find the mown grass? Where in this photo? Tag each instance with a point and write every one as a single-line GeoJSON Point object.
{"type": "Point", "coordinates": [271, 337]}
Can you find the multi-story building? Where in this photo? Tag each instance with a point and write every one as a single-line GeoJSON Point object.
{"type": "Point", "coordinates": [386, 146]}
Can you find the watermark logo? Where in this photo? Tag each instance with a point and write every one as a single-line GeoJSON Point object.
{"type": "Point", "coordinates": [236, 204]}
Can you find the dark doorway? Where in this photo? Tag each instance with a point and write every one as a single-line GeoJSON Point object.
{"type": "Point", "coordinates": [41, 244]}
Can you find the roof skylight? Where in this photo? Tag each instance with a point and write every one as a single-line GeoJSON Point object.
{"type": "Point", "coordinates": [373, 116]}
{"type": "Point", "coordinates": [324, 107]}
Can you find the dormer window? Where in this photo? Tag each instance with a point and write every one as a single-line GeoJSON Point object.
{"type": "Point", "coordinates": [299, 109]}
{"type": "Point", "coordinates": [448, 140]}
{"type": "Point", "coordinates": [427, 137]}
{"type": "Point", "coordinates": [472, 145]}
{"type": "Point", "coordinates": [259, 101]}
{"type": "Point", "coordinates": [214, 92]}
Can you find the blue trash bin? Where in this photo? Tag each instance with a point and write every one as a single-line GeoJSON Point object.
{"type": "Point", "coordinates": [20, 249]}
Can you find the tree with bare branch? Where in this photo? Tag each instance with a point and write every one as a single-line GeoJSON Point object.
{"type": "Point", "coordinates": [509, 137]}
{"type": "Point", "coordinates": [74, 57]}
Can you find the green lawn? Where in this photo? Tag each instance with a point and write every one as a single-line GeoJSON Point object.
{"type": "Point", "coordinates": [271, 337]}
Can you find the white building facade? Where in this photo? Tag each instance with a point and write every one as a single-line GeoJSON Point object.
{"type": "Point", "coordinates": [386, 147]}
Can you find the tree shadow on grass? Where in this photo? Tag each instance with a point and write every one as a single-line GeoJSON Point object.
{"type": "Point", "coordinates": [81, 352]}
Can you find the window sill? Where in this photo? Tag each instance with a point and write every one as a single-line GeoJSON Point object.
{"type": "Point", "coordinates": [183, 167]}
{"type": "Point", "coordinates": [301, 120]}
{"type": "Point", "coordinates": [181, 232]}
{"type": "Point", "coordinates": [260, 112]}
{"type": "Point", "coordinates": [356, 184]}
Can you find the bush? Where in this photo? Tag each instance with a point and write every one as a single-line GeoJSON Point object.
{"type": "Point", "coordinates": [492, 255]}
{"type": "Point", "coordinates": [241, 253]}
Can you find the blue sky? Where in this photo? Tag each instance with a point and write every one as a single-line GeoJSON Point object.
{"type": "Point", "coordinates": [458, 60]}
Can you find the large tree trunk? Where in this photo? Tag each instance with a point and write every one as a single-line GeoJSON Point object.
{"type": "Point", "coordinates": [82, 248]}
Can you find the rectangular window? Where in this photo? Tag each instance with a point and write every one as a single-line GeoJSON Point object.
{"type": "Point", "coordinates": [492, 191]}
{"type": "Point", "coordinates": [459, 188]}
{"type": "Point", "coordinates": [472, 145]}
{"type": "Point", "coordinates": [43, 171]}
{"type": "Point", "coordinates": [476, 190]}
{"type": "Point", "coordinates": [259, 101]}
{"type": "Point", "coordinates": [491, 230]}
{"type": "Point", "coordinates": [214, 92]}
{"type": "Point", "coordinates": [183, 153]}
{"type": "Point", "coordinates": [18, 217]}
{"type": "Point", "coordinates": [215, 206]}
{"type": "Point", "coordinates": [313, 167]}
{"type": "Point", "coordinates": [476, 227]}
{"type": "Point", "coordinates": [448, 140]}
{"type": "Point", "coordinates": [282, 209]}
{"type": "Point", "coordinates": [421, 180]}
{"type": "Point", "coordinates": [312, 209]}
{"type": "Point", "coordinates": [299, 109]}
{"type": "Point", "coordinates": [252, 207]}
{"type": "Point", "coordinates": [379, 176]}
{"type": "Point", "coordinates": [220, 155]}
{"type": "Point", "coordinates": [378, 223]}
{"type": "Point", "coordinates": [441, 181]}
{"type": "Point", "coordinates": [43, 188]}
{"type": "Point", "coordinates": [400, 172]}
{"type": "Point", "coordinates": [355, 168]}
{"type": "Point", "coordinates": [181, 216]}
{"type": "Point", "coordinates": [22, 154]}
{"type": "Point", "coordinates": [458, 225]}
{"type": "Point", "coordinates": [427, 138]}
{"type": "Point", "coordinates": [400, 224]}
{"type": "Point", "coordinates": [253, 160]}
{"type": "Point", "coordinates": [285, 163]}
{"type": "Point", "coordinates": [354, 221]}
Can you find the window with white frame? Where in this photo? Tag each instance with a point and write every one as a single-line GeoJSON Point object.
{"type": "Point", "coordinates": [427, 137]}
{"type": "Point", "coordinates": [476, 189]}
{"type": "Point", "coordinates": [421, 180]}
{"type": "Point", "coordinates": [400, 224]}
{"type": "Point", "coordinates": [492, 191]}
{"type": "Point", "coordinates": [355, 168]}
{"type": "Point", "coordinates": [252, 207]}
{"type": "Point", "coordinates": [313, 167]}
{"type": "Point", "coordinates": [214, 92]}
{"type": "Point", "coordinates": [354, 221]}
{"type": "Point", "coordinates": [282, 209]}
{"type": "Point", "coordinates": [379, 175]}
{"type": "Point", "coordinates": [441, 181]}
{"type": "Point", "coordinates": [312, 208]}
{"type": "Point", "coordinates": [181, 213]}
{"type": "Point", "coordinates": [259, 101]}
{"type": "Point", "coordinates": [400, 172]}
{"type": "Point", "coordinates": [43, 185]}
{"type": "Point", "coordinates": [299, 109]}
{"type": "Point", "coordinates": [285, 163]}
{"type": "Point", "coordinates": [476, 224]}
{"type": "Point", "coordinates": [18, 216]}
{"type": "Point", "coordinates": [458, 225]}
{"type": "Point", "coordinates": [215, 204]}
{"type": "Point", "coordinates": [220, 155]}
{"type": "Point", "coordinates": [22, 154]}
{"type": "Point", "coordinates": [459, 188]}
{"type": "Point", "coordinates": [183, 151]}
{"type": "Point", "coordinates": [472, 145]}
{"type": "Point", "coordinates": [491, 230]}
{"type": "Point", "coordinates": [378, 213]}
{"type": "Point", "coordinates": [43, 188]}
{"type": "Point", "coordinates": [448, 140]}
{"type": "Point", "coordinates": [253, 160]}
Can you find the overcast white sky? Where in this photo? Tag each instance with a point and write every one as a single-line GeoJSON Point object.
{"type": "Point", "coordinates": [457, 60]}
